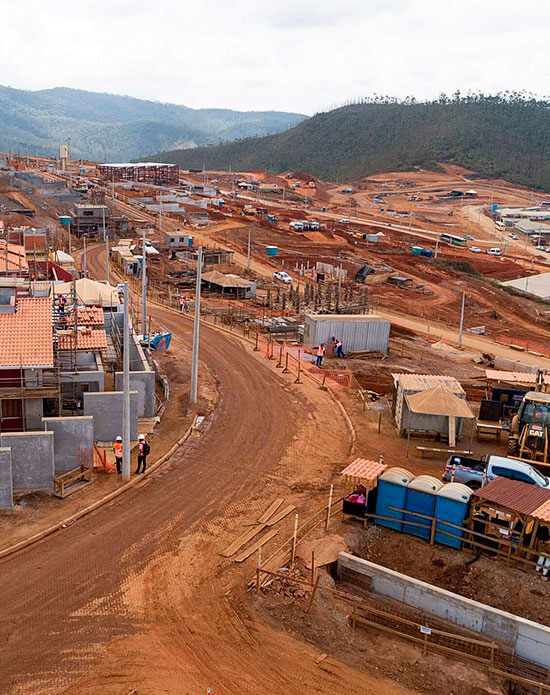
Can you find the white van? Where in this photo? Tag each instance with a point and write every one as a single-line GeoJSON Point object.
{"type": "Point", "coordinates": [494, 252]}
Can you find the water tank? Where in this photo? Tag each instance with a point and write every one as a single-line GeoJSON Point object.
{"type": "Point", "coordinates": [420, 498]}
{"type": "Point", "coordinates": [452, 504]}
{"type": "Point", "coordinates": [392, 488]}
{"type": "Point", "coordinates": [271, 250]}
{"type": "Point", "coordinates": [65, 220]}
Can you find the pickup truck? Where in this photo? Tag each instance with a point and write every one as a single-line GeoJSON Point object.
{"type": "Point", "coordinates": [475, 472]}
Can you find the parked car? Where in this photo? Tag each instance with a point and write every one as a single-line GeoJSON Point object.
{"type": "Point", "coordinates": [468, 237]}
{"type": "Point", "coordinates": [344, 220]}
{"type": "Point", "coordinates": [473, 472]}
{"type": "Point", "coordinates": [475, 249]}
{"type": "Point", "coordinates": [282, 276]}
{"type": "Point", "coordinates": [494, 252]}
{"type": "Point", "coordinates": [512, 235]}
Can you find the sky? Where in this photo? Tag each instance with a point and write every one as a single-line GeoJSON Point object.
{"type": "Point", "coordinates": [287, 55]}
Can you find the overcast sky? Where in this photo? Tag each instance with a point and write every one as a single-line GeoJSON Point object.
{"type": "Point", "coordinates": [291, 55]}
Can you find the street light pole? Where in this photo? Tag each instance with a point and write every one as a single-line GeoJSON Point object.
{"type": "Point", "coordinates": [461, 320]}
{"type": "Point", "coordinates": [196, 326]}
{"type": "Point", "coordinates": [126, 391]}
{"type": "Point", "coordinates": [144, 287]}
{"type": "Point", "coordinates": [248, 252]}
{"type": "Point", "coordinates": [84, 264]}
{"type": "Point", "coordinates": [107, 259]}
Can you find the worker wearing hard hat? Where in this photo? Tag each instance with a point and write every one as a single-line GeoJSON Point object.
{"type": "Point", "coordinates": [143, 451]}
{"type": "Point", "coordinates": [118, 451]}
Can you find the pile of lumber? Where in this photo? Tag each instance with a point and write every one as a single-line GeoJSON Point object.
{"type": "Point", "coordinates": [248, 543]}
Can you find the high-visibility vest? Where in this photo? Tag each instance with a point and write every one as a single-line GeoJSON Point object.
{"type": "Point", "coordinates": [320, 351]}
{"type": "Point", "coordinates": [118, 449]}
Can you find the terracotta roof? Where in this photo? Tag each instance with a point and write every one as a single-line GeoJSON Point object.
{"type": "Point", "coordinates": [542, 512]}
{"type": "Point", "coordinates": [522, 498]}
{"type": "Point", "coordinates": [88, 339]}
{"type": "Point", "coordinates": [26, 335]}
{"type": "Point", "coordinates": [88, 316]}
{"type": "Point", "coordinates": [16, 260]}
{"type": "Point", "coordinates": [363, 468]}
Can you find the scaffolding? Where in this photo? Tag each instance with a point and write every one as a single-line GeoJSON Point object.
{"type": "Point", "coordinates": [142, 172]}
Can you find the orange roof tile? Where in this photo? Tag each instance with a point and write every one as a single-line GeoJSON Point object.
{"type": "Point", "coordinates": [87, 340]}
{"type": "Point", "coordinates": [88, 316]}
{"type": "Point", "coordinates": [26, 335]}
{"type": "Point", "coordinates": [542, 512]}
{"type": "Point", "coordinates": [16, 258]}
{"type": "Point", "coordinates": [363, 468]}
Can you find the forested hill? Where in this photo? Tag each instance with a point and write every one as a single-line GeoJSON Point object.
{"type": "Point", "coordinates": [504, 136]}
{"type": "Point", "coordinates": [114, 127]}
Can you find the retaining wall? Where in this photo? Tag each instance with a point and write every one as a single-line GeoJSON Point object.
{"type": "Point", "coordinates": [106, 409]}
{"type": "Point", "coordinates": [70, 433]}
{"type": "Point", "coordinates": [6, 481]}
{"type": "Point", "coordinates": [32, 459]}
{"type": "Point", "coordinates": [530, 640]}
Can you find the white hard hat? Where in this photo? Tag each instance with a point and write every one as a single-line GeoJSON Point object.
{"type": "Point", "coordinates": [119, 438]}
{"type": "Point", "coordinates": [141, 436]}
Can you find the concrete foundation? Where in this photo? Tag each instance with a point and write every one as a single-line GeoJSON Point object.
{"type": "Point", "coordinates": [530, 640]}
{"type": "Point", "coordinates": [32, 459]}
{"type": "Point", "coordinates": [6, 481]}
{"type": "Point", "coordinates": [144, 383]}
{"type": "Point", "coordinates": [106, 409]}
{"type": "Point", "coordinates": [70, 434]}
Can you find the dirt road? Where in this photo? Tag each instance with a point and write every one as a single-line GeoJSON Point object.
{"type": "Point", "coordinates": [135, 595]}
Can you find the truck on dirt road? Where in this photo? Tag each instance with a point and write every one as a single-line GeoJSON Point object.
{"type": "Point", "coordinates": [477, 472]}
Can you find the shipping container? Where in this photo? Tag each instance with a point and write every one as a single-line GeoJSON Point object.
{"type": "Point", "coordinates": [356, 331]}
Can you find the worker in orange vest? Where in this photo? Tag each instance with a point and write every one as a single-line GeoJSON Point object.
{"type": "Point", "coordinates": [118, 451]}
{"type": "Point", "coordinates": [320, 352]}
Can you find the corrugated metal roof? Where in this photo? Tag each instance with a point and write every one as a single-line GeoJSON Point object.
{"type": "Point", "coordinates": [363, 468]}
{"type": "Point", "coordinates": [522, 498]}
{"type": "Point", "coordinates": [514, 377]}
{"type": "Point", "coordinates": [423, 382]}
{"type": "Point", "coordinates": [347, 317]}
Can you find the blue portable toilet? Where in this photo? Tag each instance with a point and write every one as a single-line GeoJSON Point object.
{"type": "Point", "coordinates": [420, 498]}
{"type": "Point", "coordinates": [392, 488]}
{"type": "Point", "coordinates": [494, 207]}
{"type": "Point", "coordinates": [271, 250]}
{"type": "Point", "coordinates": [451, 504]}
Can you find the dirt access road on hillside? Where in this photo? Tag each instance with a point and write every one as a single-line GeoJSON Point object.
{"type": "Point", "coordinates": [135, 596]}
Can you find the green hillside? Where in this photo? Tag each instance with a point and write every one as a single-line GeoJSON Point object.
{"type": "Point", "coordinates": [504, 136]}
{"type": "Point", "coordinates": [113, 127]}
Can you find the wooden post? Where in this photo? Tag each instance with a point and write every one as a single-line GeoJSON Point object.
{"type": "Point", "coordinates": [297, 380]}
{"type": "Point", "coordinates": [312, 567]}
{"type": "Point", "coordinates": [294, 541]}
{"type": "Point", "coordinates": [286, 370]}
{"type": "Point", "coordinates": [270, 349]}
{"type": "Point", "coordinates": [258, 573]}
{"type": "Point", "coordinates": [432, 533]}
{"type": "Point", "coordinates": [329, 508]}
{"type": "Point", "coordinates": [280, 362]}
{"type": "Point", "coordinates": [379, 421]}
{"type": "Point", "coordinates": [408, 444]}
{"type": "Point", "coordinates": [425, 649]}
{"type": "Point", "coordinates": [256, 348]}
{"type": "Point", "coordinates": [323, 387]}
{"type": "Point", "coordinates": [312, 595]}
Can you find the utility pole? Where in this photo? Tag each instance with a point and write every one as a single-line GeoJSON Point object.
{"type": "Point", "coordinates": [160, 214]}
{"type": "Point", "coordinates": [107, 259]}
{"type": "Point", "coordinates": [144, 287]}
{"type": "Point", "coordinates": [84, 264]}
{"type": "Point", "coordinates": [126, 391]}
{"type": "Point", "coordinates": [436, 245]}
{"type": "Point", "coordinates": [70, 252]}
{"type": "Point", "coordinates": [248, 252]}
{"type": "Point", "coordinates": [196, 324]}
{"type": "Point", "coordinates": [461, 320]}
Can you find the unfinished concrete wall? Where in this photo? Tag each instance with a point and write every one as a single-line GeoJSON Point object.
{"type": "Point", "coordinates": [32, 459]}
{"type": "Point", "coordinates": [6, 480]}
{"type": "Point", "coordinates": [106, 409]}
{"type": "Point", "coordinates": [70, 434]}
{"type": "Point", "coordinates": [144, 383]}
{"type": "Point", "coordinates": [530, 640]}
{"type": "Point", "coordinates": [34, 411]}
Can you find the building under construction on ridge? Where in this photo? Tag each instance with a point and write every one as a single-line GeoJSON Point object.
{"type": "Point", "coordinates": [157, 174]}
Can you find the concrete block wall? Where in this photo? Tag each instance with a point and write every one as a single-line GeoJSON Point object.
{"type": "Point", "coordinates": [70, 433]}
{"type": "Point", "coordinates": [6, 480]}
{"type": "Point", "coordinates": [530, 640]}
{"type": "Point", "coordinates": [32, 456]}
{"type": "Point", "coordinates": [144, 383]}
{"type": "Point", "coordinates": [106, 409]}
{"type": "Point", "coordinates": [34, 410]}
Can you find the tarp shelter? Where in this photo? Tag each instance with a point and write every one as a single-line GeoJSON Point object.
{"type": "Point", "coordinates": [90, 292]}
{"type": "Point", "coordinates": [438, 402]}
{"type": "Point", "coordinates": [63, 258]}
{"type": "Point", "coordinates": [229, 284]}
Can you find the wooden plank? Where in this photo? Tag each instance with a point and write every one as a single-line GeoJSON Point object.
{"type": "Point", "coordinates": [270, 510]}
{"type": "Point", "coordinates": [281, 515]}
{"type": "Point", "coordinates": [257, 543]}
{"type": "Point", "coordinates": [242, 540]}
